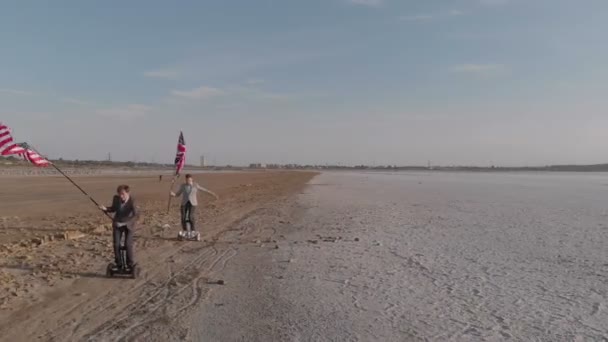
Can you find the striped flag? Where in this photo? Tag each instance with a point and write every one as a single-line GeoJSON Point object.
{"type": "Point", "coordinates": [9, 147]}
{"type": "Point", "coordinates": [15, 149]}
{"type": "Point", "coordinates": [30, 155]}
{"type": "Point", "coordinates": [7, 144]}
{"type": "Point", "coordinates": [34, 158]}
{"type": "Point", "coordinates": [180, 156]}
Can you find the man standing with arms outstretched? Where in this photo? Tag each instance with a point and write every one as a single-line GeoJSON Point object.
{"type": "Point", "coordinates": [189, 191]}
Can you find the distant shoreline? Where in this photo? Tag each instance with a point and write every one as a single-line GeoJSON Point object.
{"type": "Point", "coordinates": [129, 167]}
{"type": "Point", "coordinates": [168, 173]}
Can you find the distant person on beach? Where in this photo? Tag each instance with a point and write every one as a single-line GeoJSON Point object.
{"type": "Point", "coordinates": [123, 223]}
{"type": "Point", "coordinates": [188, 191]}
{"type": "Point", "coordinates": [160, 178]}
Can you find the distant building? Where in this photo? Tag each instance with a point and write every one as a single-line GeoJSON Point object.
{"type": "Point", "coordinates": [203, 163]}
{"type": "Point", "coordinates": [257, 166]}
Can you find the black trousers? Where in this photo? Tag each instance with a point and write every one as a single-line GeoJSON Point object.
{"type": "Point", "coordinates": [119, 233]}
{"type": "Point", "coordinates": [188, 213]}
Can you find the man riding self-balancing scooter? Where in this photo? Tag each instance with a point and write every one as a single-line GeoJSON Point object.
{"type": "Point", "coordinates": [188, 191]}
{"type": "Point", "coordinates": [123, 227]}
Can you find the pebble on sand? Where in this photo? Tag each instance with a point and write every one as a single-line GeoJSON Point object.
{"type": "Point", "coordinates": [101, 229]}
{"type": "Point", "coordinates": [73, 235]}
{"type": "Point", "coordinates": [37, 241]}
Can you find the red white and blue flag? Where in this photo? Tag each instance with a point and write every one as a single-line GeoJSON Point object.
{"type": "Point", "coordinates": [180, 156]}
{"type": "Point", "coordinates": [7, 143]}
{"type": "Point", "coordinates": [9, 147]}
{"type": "Point", "coordinates": [33, 157]}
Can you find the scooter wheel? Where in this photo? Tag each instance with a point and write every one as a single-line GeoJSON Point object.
{"type": "Point", "coordinates": [109, 271]}
{"type": "Point", "coordinates": [135, 272]}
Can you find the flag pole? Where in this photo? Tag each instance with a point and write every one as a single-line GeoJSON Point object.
{"type": "Point", "coordinates": [180, 161]}
{"type": "Point", "coordinates": [79, 188]}
{"type": "Point", "coordinates": [74, 183]}
{"type": "Point", "coordinates": [171, 189]}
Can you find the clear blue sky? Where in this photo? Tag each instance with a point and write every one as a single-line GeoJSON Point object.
{"type": "Point", "coordinates": [508, 82]}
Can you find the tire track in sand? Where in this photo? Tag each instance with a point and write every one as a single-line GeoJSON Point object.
{"type": "Point", "coordinates": [136, 323]}
{"type": "Point", "coordinates": [101, 305]}
{"type": "Point", "coordinates": [91, 315]}
{"type": "Point", "coordinates": [149, 302]}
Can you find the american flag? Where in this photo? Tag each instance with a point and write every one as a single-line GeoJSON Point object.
{"type": "Point", "coordinates": [180, 156]}
{"type": "Point", "coordinates": [9, 147]}
{"type": "Point", "coordinates": [33, 157]}
{"type": "Point", "coordinates": [7, 144]}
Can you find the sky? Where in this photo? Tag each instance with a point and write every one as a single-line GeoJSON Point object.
{"type": "Point", "coordinates": [400, 82]}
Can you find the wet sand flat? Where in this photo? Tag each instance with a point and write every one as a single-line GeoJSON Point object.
{"type": "Point", "coordinates": [422, 257]}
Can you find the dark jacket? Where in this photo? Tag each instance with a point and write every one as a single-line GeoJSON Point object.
{"type": "Point", "coordinates": [127, 214]}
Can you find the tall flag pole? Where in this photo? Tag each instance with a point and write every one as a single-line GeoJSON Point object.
{"type": "Point", "coordinates": [180, 162]}
{"type": "Point", "coordinates": [32, 157]}
{"type": "Point", "coordinates": [9, 147]}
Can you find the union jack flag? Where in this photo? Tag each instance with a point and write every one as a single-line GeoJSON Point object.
{"type": "Point", "coordinates": [9, 147]}
{"type": "Point", "coordinates": [180, 156]}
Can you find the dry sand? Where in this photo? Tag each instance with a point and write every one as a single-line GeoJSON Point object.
{"type": "Point", "coordinates": [54, 246]}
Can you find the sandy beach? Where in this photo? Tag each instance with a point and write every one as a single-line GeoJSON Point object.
{"type": "Point", "coordinates": [349, 257]}
{"type": "Point", "coordinates": [55, 245]}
